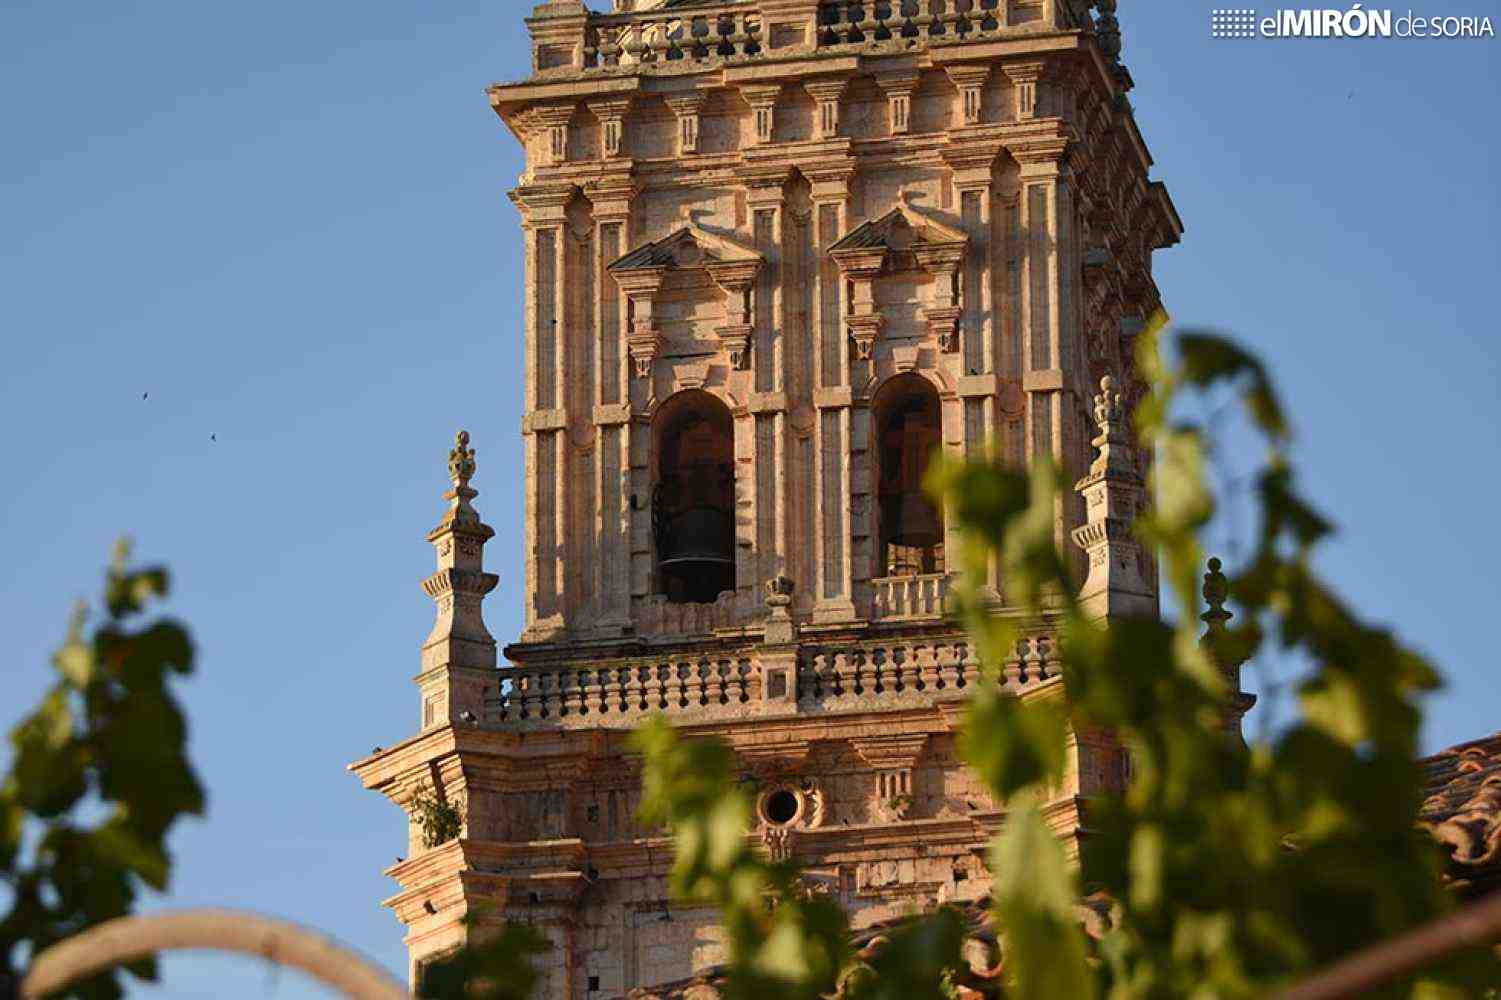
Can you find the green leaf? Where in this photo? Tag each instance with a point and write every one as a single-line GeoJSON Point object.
{"type": "Point", "coordinates": [1036, 905]}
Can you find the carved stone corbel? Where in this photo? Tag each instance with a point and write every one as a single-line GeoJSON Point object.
{"type": "Point", "coordinates": [893, 759]}
{"type": "Point", "coordinates": [736, 279]}
{"type": "Point", "coordinates": [643, 339]}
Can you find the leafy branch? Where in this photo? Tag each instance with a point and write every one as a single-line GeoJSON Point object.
{"type": "Point", "coordinates": [99, 774]}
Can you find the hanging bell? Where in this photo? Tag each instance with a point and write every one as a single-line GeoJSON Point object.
{"type": "Point", "coordinates": [698, 535]}
{"type": "Point", "coordinates": [698, 555]}
{"type": "Point", "coordinates": [914, 520]}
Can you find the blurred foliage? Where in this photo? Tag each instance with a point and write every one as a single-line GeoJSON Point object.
{"type": "Point", "coordinates": [1231, 870]}
{"type": "Point", "coordinates": [497, 964]}
{"type": "Point", "coordinates": [98, 775]}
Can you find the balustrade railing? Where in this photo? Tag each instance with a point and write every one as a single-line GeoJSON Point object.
{"type": "Point", "coordinates": [863, 22]}
{"type": "Point", "coordinates": [886, 671]}
{"type": "Point", "coordinates": [908, 597]}
{"type": "Point", "coordinates": [622, 694]}
{"type": "Point", "coordinates": [664, 36]}
{"type": "Point", "coordinates": [834, 678]}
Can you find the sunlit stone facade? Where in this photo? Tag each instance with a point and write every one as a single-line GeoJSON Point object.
{"type": "Point", "coordinates": [778, 252]}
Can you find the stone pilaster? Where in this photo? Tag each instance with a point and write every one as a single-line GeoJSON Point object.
{"type": "Point", "coordinates": [458, 658]}
{"type": "Point", "coordinates": [612, 406]}
{"type": "Point", "coordinates": [835, 450]}
{"type": "Point", "coordinates": [544, 427]}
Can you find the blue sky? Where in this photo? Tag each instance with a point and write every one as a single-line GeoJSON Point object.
{"type": "Point", "coordinates": [287, 223]}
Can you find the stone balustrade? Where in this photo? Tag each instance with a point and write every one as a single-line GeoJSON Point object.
{"type": "Point", "coordinates": [898, 598]}
{"type": "Point", "coordinates": [707, 689]}
{"type": "Point", "coordinates": [875, 22]}
{"type": "Point", "coordinates": [627, 40]}
{"type": "Point", "coordinates": [624, 694]}
{"type": "Point", "coordinates": [658, 37]}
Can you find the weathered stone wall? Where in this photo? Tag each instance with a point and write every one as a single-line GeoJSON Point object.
{"type": "Point", "coordinates": [785, 209]}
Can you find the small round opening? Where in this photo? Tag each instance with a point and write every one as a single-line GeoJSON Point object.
{"type": "Point", "coordinates": [781, 806]}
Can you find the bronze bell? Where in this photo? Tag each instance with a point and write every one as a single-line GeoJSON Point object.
{"type": "Point", "coordinates": [701, 534]}
{"type": "Point", "coordinates": [914, 521]}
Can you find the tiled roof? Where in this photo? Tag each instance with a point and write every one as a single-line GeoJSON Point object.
{"type": "Point", "coordinates": [1463, 810]}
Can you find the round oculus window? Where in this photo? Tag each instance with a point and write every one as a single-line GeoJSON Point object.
{"type": "Point", "coordinates": [781, 807]}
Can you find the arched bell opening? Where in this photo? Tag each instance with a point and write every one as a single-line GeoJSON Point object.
{"type": "Point", "coordinates": [909, 429]}
{"type": "Point", "coordinates": [693, 498]}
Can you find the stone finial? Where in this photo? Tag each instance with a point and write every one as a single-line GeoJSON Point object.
{"type": "Point", "coordinates": [1107, 406]}
{"type": "Point", "coordinates": [460, 470]}
{"type": "Point", "coordinates": [1216, 591]}
{"type": "Point", "coordinates": [780, 629]}
{"type": "Point", "coordinates": [1113, 441]}
{"type": "Point", "coordinates": [461, 460]}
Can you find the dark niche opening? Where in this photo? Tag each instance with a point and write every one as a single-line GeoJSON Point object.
{"type": "Point", "coordinates": [693, 501]}
{"type": "Point", "coordinates": [909, 428]}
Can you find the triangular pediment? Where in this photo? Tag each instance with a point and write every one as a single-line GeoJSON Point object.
{"type": "Point", "coordinates": [690, 246]}
{"type": "Point", "coordinates": [901, 229]}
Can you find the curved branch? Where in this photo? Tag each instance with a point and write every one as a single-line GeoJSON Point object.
{"type": "Point", "coordinates": [118, 941]}
{"type": "Point", "coordinates": [1474, 926]}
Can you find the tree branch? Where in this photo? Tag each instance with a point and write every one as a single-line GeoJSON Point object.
{"type": "Point", "coordinates": [1474, 926]}
{"type": "Point", "coordinates": [117, 941]}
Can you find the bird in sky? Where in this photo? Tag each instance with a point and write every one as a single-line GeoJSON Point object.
{"type": "Point", "coordinates": [145, 394]}
{"type": "Point", "coordinates": [213, 437]}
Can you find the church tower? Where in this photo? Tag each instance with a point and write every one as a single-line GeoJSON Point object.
{"type": "Point", "coordinates": [778, 252]}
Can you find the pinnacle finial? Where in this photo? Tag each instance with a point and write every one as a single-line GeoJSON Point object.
{"type": "Point", "coordinates": [1107, 406]}
{"type": "Point", "coordinates": [461, 461]}
{"type": "Point", "coordinates": [1216, 591]}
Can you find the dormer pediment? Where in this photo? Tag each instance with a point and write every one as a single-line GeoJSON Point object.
{"type": "Point", "coordinates": [900, 232]}
{"type": "Point", "coordinates": [690, 246]}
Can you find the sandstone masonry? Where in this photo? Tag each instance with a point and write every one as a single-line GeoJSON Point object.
{"type": "Point", "coordinates": [777, 252]}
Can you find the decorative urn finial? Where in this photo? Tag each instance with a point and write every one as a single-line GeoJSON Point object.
{"type": "Point", "coordinates": [461, 460]}
{"type": "Point", "coordinates": [1107, 406]}
{"type": "Point", "coordinates": [1216, 591]}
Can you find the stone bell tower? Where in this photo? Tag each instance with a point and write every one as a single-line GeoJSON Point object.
{"type": "Point", "coordinates": [778, 252]}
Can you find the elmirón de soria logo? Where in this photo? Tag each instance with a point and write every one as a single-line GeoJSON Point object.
{"type": "Point", "coordinates": [1352, 22]}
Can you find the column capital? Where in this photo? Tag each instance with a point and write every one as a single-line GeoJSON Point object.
{"type": "Point", "coordinates": [543, 203]}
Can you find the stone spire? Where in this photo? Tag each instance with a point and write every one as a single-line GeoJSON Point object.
{"type": "Point", "coordinates": [1112, 495]}
{"type": "Point", "coordinates": [1216, 642]}
{"type": "Point", "coordinates": [458, 658]}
